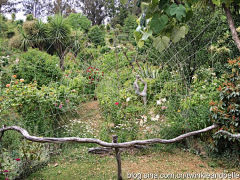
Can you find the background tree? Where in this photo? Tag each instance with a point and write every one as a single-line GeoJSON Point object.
{"type": "Point", "coordinates": [95, 10]}
{"type": "Point", "coordinates": [63, 7]}
{"type": "Point", "coordinates": [79, 22]}
{"type": "Point", "coordinates": [35, 7]}
{"type": "Point", "coordinates": [121, 13]}
{"type": "Point", "coordinates": [7, 6]}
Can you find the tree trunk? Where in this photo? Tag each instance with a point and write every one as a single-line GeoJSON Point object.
{"type": "Point", "coordinates": [232, 26]}
{"type": "Point", "coordinates": [61, 63]}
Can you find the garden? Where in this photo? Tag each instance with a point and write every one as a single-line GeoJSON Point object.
{"type": "Point", "coordinates": [158, 71]}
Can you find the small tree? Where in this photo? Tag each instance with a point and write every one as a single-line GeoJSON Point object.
{"type": "Point", "coordinates": [59, 32]}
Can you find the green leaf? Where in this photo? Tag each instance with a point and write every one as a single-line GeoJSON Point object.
{"type": "Point", "coordinates": [189, 15]}
{"type": "Point", "coordinates": [146, 35]}
{"type": "Point", "coordinates": [179, 11]}
{"type": "Point", "coordinates": [137, 36]}
{"type": "Point", "coordinates": [138, 4]}
{"type": "Point", "coordinates": [162, 4]}
{"type": "Point", "coordinates": [161, 43]}
{"type": "Point", "coordinates": [237, 2]}
{"type": "Point", "coordinates": [178, 33]}
{"type": "Point", "coordinates": [124, 1]}
{"type": "Point", "coordinates": [140, 43]}
{"type": "Point", "coordinates": [216, 2]}
{"type": "Point", "coordinates": [158, 22]}
{"type": "Point", "coordinates": [155, 2]}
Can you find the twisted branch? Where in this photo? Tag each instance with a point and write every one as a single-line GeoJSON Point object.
{"type": "Point", "coordinates": [102, 143]}
{"type": "Point", "coordinates": [144, 92]}
{"type": "Point", "coordinates": [237, 136]}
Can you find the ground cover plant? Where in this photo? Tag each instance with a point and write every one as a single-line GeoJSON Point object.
{"type": "Point", "coordinates": [71, 76]}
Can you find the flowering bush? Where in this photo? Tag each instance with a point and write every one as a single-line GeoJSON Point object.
{"type": "Point", "coordinates": [35, 65]}
{"type": "Point", "coordinates": [93, 77]}
{"type": "Point", "coordinates": [36, 108]}
{"type": "Point", "coordinates": [226, 111]}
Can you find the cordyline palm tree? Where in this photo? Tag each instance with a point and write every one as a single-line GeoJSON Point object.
{"type": "Point", "coordinates": [26, 40]}
{"type": "Point", "coordinates": [59, 34]}
{"type": "Point", "coordinates": [40, 35]}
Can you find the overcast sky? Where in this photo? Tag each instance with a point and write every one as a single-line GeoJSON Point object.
{"type": "Point", "coordinates": [19, 15]}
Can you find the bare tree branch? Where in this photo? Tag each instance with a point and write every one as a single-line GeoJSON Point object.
{"type": "Point", "coordinates": [237, 136]}
{"type": "Point", "coordinates": [102, 143]}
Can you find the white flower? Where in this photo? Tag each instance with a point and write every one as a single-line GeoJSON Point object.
{"type": "Point", "coordinates": [128, 99]}
{"type": "Point", "coordinates": [141, 122]}
{"type": "Point", "coordinates": [154, 119]}
{"type": "Point", "coordinates": [164, 100]}
{"type": "Point", "coordinates": [144, 118]}
{"type": "Point", "coordinates": [159, 102]}
{"type": "Point", "coordinates": [194, 77]}
{"type": "Point", "coordinates": [157, 116]}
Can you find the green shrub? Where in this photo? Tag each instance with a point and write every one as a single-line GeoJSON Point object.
{"type": "Point", "coordinates": [105, 49]}
{"type": "Point", "coordinates": [37, 66]}
{"type": "Point", "coordinates": [29, 17]}
{"type": "Point", "coordinates": [96, 36]}
{"type": "Point", "coordinates": [79, 22]}
{"type": "Point", "coordinates": [10, 34]}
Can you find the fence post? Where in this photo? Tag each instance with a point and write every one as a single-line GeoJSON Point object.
{"type": "Point", "coordinates": [118, 157]}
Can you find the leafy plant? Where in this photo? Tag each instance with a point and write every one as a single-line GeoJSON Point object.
{"type": "Point", "coordinates": [225, 111]}
{"type": "Point", "coordinates": [96, 36]}
{"type": "Point", "coordinates": [35, 65]}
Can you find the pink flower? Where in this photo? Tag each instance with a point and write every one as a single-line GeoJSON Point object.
{"type": "Point", "coordinates": [17, 159]}
{"type": "Point", "coordinates": [67, 100]}
{"type": "Point", "coordinates": [6, 179]}
{"type": "Point", "coordinates": [164, 107]}
{"type": "Point", "coordinates": [6, 171]}
{"type": "Point", "coordinates": [116, 103]}
{"type": "Point", "coordinates": [60, 106]}
{"type": "Point", "coordinates": [56, 104]}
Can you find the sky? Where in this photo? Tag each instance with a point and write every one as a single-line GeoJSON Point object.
{"type": "Point", "coordinates": [19, 15]}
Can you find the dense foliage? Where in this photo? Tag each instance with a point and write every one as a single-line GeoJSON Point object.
{"type": "Point", "coordinates": [51, 73]}
{"type": "Point", "coordinates": [37, 66]}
